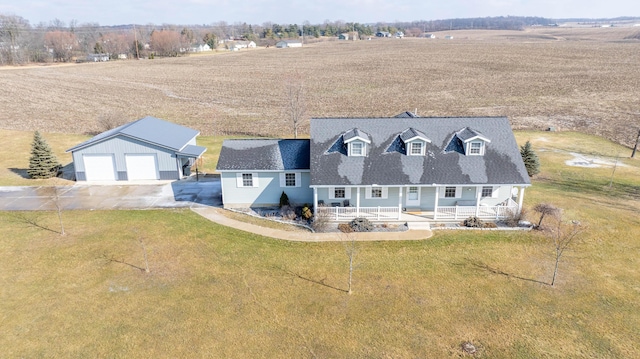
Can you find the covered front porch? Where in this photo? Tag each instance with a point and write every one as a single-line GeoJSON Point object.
{"type": "Point", "coordinates": [437, 203]}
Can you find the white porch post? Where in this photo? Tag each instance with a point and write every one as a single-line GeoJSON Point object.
{"type": "Point", "coordinates": [399, 202]}
{"type": "Point", "coordinates": [435, 207]}
{"type": "Point", "coordinates": [315, 200]}
{"type": "Point", "coordinates": [478, 194]}
{"type": "Point", "coordinates": [357, 201]}
{"type": "Point", "coordinates": [520, 199]}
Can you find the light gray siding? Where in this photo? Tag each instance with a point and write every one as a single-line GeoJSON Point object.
{"type": "Point", "coordinates": [267, 193]}
{"type": "Point", "coordinates": [121, 146]}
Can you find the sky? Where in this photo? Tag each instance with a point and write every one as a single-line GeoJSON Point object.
{"type": "Point", "coordinates": [200, 12]}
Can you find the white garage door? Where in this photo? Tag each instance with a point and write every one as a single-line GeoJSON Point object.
{"type": "Point", "coordinates": [99, 168]}
{"type": "Point", "coordinates": [141, 167]}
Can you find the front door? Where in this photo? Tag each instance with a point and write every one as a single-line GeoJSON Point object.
{"type": "Point", "coordinates": [413, 197]}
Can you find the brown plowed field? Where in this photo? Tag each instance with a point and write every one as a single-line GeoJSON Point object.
{"type": "Point", "coordinates": [582, 79]}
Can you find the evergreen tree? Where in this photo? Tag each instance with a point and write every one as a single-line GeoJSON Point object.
{"type": "Point", "coordinates": [531, 161]}
{"type": "Point", "coordinates": [43, 163]}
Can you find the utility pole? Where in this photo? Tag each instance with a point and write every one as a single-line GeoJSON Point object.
{"type": "Point", "coordinates": [135, 37]}
{"type": "Point", "coordinates": [635, 148]}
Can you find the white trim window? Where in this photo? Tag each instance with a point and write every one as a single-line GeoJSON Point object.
{"type": "Point", "coordinates": [489, 192]}
{"type": "Point", "coordinates": [357, 149]}
{"type": "Point", "coordinates": [451, 192]}
{"type": "Point", "coordinates": [339, 193]}
{"type": "Point", "coordinates": [377, 193]}
{"type": "Point", "coordinates": [416, 148]}
{"type": "Point", "coordinates": [290, 179]}
{"type": "Point", "coordinates": [475, 148]}
{"type": "Point", "coordinates": [246, 179]}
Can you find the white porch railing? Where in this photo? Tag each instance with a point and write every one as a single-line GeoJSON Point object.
{"type": "Point", "coordinates": [349, 213]}
{"type": "Point", "coordinates": [493, 212]}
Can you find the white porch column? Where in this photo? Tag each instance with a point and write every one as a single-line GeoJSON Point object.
{"type": "Point", "coordinates": [435, 207]}
{"type": "Point", "coordinates": [400, 202]}
{"type": "Point", "coordinates": [520, 199]}
{"type": "Point", "coordinates": [357, 201]}
{"type": "Point", "coordinates": [315, 200]}
{"type": "Point", "coordinates": [478, 194]}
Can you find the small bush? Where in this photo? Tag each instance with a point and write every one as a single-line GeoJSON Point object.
{"type": "Point", "coordinates": [284, 200]}
{"type": "Point", "coordinates": [490, 225]}
{"type": "Point", "coordinates": [345, 228]}
{"type": "Point", "coordinates": [287, 213]}
{"type": "Point", "coordinates": [361, 225]}
{"type": "Point", "coordinates": [514, 218]}
{"type": "Point", "coordinates": [473, 222]}
{"type": "Point", "coordinates": [320, 221]}
{"type": "Point", "coordinates": [306, 212]}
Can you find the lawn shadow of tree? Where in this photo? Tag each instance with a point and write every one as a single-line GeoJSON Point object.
{"type": "Point", "coordinates": [481, 266]}
{"type": "Point", "coordinates": [315, 281]}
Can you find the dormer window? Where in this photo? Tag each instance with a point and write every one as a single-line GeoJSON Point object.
{"type": "Point", "coordinates": [476, 148]}
{"type": "Point", "coordinates": [416, 148]}
{"type": "Point", "coordinates": [473, 142]}
{"type": "Point", "coordinates": [356, 142]}
{"type": "Point", "coordinates": [357, 148]}
{"type": "Point", "coordinates": [415, 142]}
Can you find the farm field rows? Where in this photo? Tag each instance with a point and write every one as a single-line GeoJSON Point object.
{"type": "Point", "coordinates": [580, 79]}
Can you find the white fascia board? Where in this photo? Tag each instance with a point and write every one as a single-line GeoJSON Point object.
{"type": "Point", "coordinates": [418, 138]}
{"type": "Point", "coordinates": [478, 138]}
{"type": "Point", "coordinates": [358, 138]}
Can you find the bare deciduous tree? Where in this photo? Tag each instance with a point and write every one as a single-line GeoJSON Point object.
{"type": "Point", "coordinates": [166, 42]}
{"type": "Point", "coordinates": [62, 43]}
{"type": "Point", "coordinates": [561, 236]}
{"type": "Point", "coordinates": [55, 199]}
{"type": "Point", "coordinates": [545, 209]}
{"type": "Point", "coordinates": [295, 107]}
{"type": "Point", "coordinates": [110, 119]}
{"type": "Point", "coordinates": [351, 250]}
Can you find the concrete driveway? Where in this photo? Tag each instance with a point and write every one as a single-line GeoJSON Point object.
{"type": "Point", "coordinates": [136, 195]}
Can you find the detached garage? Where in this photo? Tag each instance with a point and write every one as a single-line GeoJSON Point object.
{"type": "Point", "coordinates": [146, 149]}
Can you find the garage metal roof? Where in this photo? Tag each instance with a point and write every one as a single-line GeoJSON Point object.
{"type": "Point", "coordinates": [147, 129]}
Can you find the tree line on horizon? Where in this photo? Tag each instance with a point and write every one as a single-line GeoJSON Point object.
{"type": "Point", "coordinates": [23, 43]}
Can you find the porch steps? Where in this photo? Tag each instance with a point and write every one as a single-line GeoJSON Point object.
{"type": "Point", "coordinates": [418, 226]}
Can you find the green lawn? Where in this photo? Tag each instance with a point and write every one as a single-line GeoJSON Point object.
{"type": "Point", "coordinates": [219, 292]}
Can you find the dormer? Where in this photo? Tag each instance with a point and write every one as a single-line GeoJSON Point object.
{"type": "Point", "coordinates": [356, 142]}
{"type": "Point", "coordinates": [473, 142]}
{"type": "Point", "coordinates": [415, 142]}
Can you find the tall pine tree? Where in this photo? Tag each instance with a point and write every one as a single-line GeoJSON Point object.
{"type": "Point", "coordinates": [43, 163]}
{"type": "Point", "coordinates": [531, 161]}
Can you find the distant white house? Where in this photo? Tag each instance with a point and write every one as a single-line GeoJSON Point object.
{"type": "Point", "coordinates": [288, 43]}
{"type": "Point", "coordinates": [343, 36]}
{"type": "Point", "coordinates": [98, 57]}
{"type": "Point", "coordinates": [399, 34]}
{"type": "Point", "coordinates": [429, 36]}
{"type": "Point", "coordinates": [449, 37]}
{"type": "Point", "coordinates": [122, 56]}
{"type": "Point", "coordinates": [201, 48]}
{"type": "Point", "coordinates": [237, 45]}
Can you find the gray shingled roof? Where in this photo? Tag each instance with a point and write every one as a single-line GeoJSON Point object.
{"type": "Point", "coordinates": [264, 155]}
{"type": "Point", "coordinates": [355, 132]}
{"type": "Point", "coordinates": [386, 163]}
{"type": "Point", "coordinates": [468, 133]}
{"type": "Point", "coordinates": [148, 129]}
{"type": "Point", "coordinates": [411, 133]}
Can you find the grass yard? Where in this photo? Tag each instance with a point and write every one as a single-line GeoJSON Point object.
{"type": "Point", "coordinates": [218, 292]}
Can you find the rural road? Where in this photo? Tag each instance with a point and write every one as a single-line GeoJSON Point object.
{"type": "Point", "coordinates": [167, 194]}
